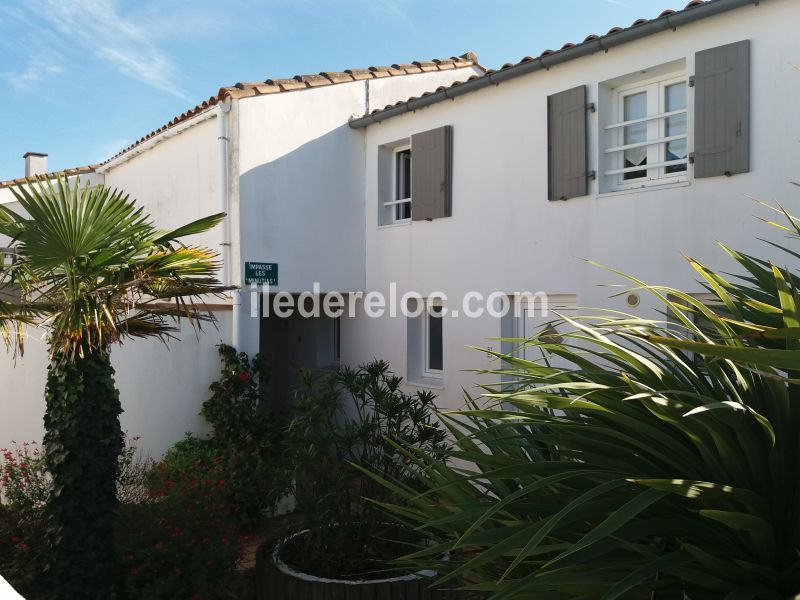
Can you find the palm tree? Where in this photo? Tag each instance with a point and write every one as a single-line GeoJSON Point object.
{"type": "Point", "coordinates": [87, 266]}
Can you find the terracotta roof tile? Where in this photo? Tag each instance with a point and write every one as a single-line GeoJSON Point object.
{"type": "Point", "coordinates": [590, 38]}
{"type": "Point", "coordinates": [275, 86]}
{"type": "Point", "coordinates": [381, 72]}
{"type": "Point", "coordinates": [301, 82]}
{"type": "Point", "coordinates": [68, 172]}
{"type": "Point", "coordinates": [313, 80]}
{"type": "Point", "coordinates": [408, 68]}
{"type": "Point", "coordinates": [426, 65]}
{"type": "Point", "coordinates": [337, 77]}
{"type": "Point", "coordinates": [360, 73]}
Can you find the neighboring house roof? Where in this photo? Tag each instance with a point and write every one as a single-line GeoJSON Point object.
{"type": "Point", "coordinates": [303, 82]}
{"type": "Point", "coordinates": [273, 86]}
{"type": "Point", "coordinates": [668, 19]}
{"type": "Point", "coordinates": [50, 175]}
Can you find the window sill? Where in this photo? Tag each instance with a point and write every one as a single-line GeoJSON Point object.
{"type": "Point", "coordinates": [393, 225]}
{"type": "Point", "coordinates": [645, 188]}
{"type": "Point", "coordinates": [433, 383]}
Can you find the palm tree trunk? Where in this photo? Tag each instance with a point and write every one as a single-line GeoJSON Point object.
{"type": "Point", "coordinates": [83, 441]}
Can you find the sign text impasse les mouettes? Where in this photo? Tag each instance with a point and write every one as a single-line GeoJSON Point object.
{"type": "Point", "coordinates": [261, 273]}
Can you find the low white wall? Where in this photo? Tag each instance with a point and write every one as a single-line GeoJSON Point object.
{"type": "Point", "coordinates": [162, 388]}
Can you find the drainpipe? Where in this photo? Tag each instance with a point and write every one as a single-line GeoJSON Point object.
{"type": "Point", "coordinates": [223, 108]}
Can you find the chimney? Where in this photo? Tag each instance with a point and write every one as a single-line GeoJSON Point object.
{"type": "Point", "coordinates": [35, 163]}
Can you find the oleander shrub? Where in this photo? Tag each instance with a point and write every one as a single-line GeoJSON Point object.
{"type": "Point", "coordinates": [343, 421]}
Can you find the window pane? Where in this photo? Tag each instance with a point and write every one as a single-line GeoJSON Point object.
{"type": "Point", "coordinates": [675, 99]}
{"type": "Point", "coordinates": [435, 350]}
{"type": "Point", "coordinates": [635, 107]}
{"type": "Point", "coordinates": [402, 211]}
{"type": "Point", "coordinates": [403, 183]}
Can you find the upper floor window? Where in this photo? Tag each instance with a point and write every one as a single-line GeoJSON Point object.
{"type": "Point", "coordinates": [424, 193]}
{"type": "Point", "coordinates": [402, 185]}
{"type": "Point", "coordinates": [644, 121]}
{"type": "Point", "coordinates": [647, 142]}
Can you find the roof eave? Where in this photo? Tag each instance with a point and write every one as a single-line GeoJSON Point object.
{"type": "Point", "coordinates": [545, 61]}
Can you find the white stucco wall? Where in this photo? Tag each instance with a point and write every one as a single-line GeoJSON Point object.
{"type": "Point", "coordinates": [301, 177]}
{"type": "Point", "coordinates": [299, 194]}
{"type": "Point", "coordinates": [505, 235]}
{"type": "Point", "coordinates": [177, 180]}
{"type": "Point", "coordinates": [297, 191]}
{"type": "Point", "coordinates": [162, 387]}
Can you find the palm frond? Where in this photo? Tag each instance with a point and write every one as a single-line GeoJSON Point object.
{"type": "Point", "coordinates": [91, 267]}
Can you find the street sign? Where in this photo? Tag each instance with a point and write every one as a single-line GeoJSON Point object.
{"type": "Point", "coordinates": [261, 273]}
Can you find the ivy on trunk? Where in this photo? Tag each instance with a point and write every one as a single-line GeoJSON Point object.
{"type": "Point", "coordinates": [83, 443]}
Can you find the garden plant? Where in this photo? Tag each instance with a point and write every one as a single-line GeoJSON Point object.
{"type": "Point", "coordinates": [340, 419]}
{"type": "Point", "coordinates": [89, 268]}
{"type": "Point", "coordinates": [637, 458]}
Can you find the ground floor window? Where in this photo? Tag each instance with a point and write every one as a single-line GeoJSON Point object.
{"type": "Point", "coordinates": [425, 336]}
{"type": "Point", "coordinates": [433, 348]}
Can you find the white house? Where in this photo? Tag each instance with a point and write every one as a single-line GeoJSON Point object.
{"type": "Point", "coordinates": [628, 149]}
{"type": "Point", "coordinates": [279, 157]}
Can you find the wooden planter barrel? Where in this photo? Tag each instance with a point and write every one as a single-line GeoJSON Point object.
{"type": "Point", "coordinates": [279, 582]}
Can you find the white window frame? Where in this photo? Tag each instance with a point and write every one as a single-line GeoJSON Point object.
{"type": "Point", "coordinates": [656, 120]}
{"type": "Point", "coordinates": [395, 204]}
{"type": "Point", "coordinates": [427, 371]}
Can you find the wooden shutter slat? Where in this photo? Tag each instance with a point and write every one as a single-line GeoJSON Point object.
{"type": "Point", "coordinates": [566, 144]}
{"type": "Point", "coordinates": [431, 174]}
{"type": "Point", "coordinates": [722, 110]}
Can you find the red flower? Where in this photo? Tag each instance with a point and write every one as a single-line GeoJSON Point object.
{"type": "Point", "coordinates": [244, 376]}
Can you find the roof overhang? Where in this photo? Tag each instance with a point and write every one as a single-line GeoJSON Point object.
{"type": "Point", "coordinates": [695, 11]}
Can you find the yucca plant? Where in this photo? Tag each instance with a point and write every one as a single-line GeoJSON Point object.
{"type": "Point", "coordinates": [638, 458]}
{"type": "Point", "coordinates": [89, 268]}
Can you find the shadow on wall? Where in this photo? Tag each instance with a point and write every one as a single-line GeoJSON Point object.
{"type": "Point", "coordinates": [304, 211]}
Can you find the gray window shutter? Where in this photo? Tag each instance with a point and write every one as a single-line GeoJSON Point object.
{"type": "Point", "coordinates": [566, 144]}
{"type": "Point", "coordinates": [432, 174]}
{"type": "Point", "coordinates": [722, 110]}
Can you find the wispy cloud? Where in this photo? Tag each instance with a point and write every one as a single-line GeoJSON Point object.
{"type": "Point", "coordinates": [37, 68]}
{"type": "Point", "coordinates": [107, 150]}
{"type": "Point", "coordinates": [98, 27]}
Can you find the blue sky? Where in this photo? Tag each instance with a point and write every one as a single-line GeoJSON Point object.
{"type": "Point", "coordinates": [81, 79]}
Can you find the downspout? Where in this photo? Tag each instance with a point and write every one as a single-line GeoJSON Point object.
{"type": "Point", "coordinates": [223, 108]}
